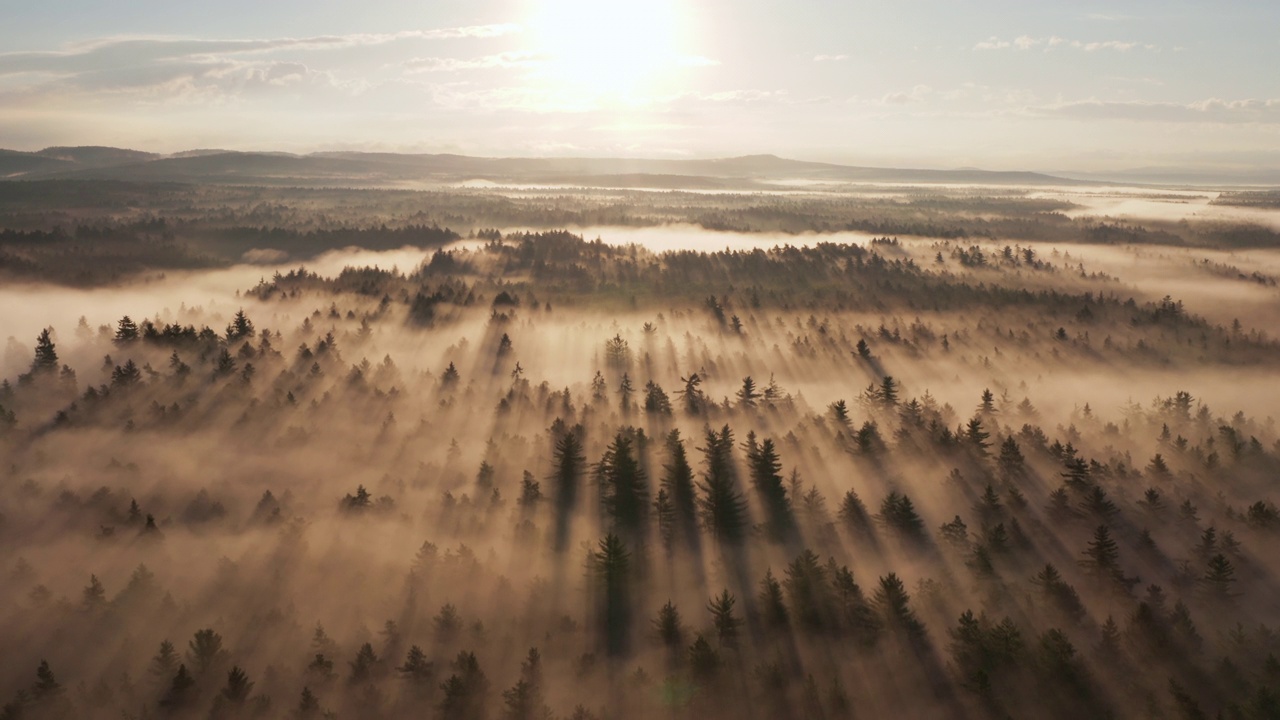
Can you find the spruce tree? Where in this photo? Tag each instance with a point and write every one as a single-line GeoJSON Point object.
{"type": "Point", "coordinates": [724, 511]}
{"type": "Point", "coordinates": [46, 356]}
{"type": "Point", "coordinates": [722, 617]}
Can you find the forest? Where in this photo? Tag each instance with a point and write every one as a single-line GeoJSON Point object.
{"type": "Point", "coordinates": [885, 452]}
{"type": "Point", "coordinates": [91, 233]}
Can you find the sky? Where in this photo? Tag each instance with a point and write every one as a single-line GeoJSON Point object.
{"type": "Point", "coordinates": [1000, 84]}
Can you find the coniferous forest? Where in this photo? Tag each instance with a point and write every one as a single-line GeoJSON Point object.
{"type": "Point", "coordinates": [289, 453]}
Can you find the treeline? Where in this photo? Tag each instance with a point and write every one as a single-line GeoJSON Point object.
{"type": "Point", "coordinates": [208, 225]}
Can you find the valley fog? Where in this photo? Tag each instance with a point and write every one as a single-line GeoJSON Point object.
{"type": "Point", "coordinates": [448, 458]}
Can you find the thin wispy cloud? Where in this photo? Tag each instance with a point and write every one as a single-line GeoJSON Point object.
{"type": "Point", "coordinates": [1027, 42]}
{"type": "Point", "coordinates": [1211, 110]}
{"type": "Point", "coordinates": [829, 58]}
{"type": "Point", "coordinates": [514, 59]}
{"type": "Point", "coordinates": [916, 94]}
{"type": "Point", "coordinates": [133, 50]}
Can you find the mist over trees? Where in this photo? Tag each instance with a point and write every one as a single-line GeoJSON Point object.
{"type": "Point", "coordinates": [540, 475]}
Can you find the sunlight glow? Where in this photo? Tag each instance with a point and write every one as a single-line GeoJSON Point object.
{"type": "Point", "coordinates": [614, 51]}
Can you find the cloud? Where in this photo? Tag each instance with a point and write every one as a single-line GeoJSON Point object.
{"type": "Point", "coordinates": [130, 51]}
{"type": "Point", "coordinates": [829, 58]}
{"type": "Point", "coordinates": [1212, 110]}
{"type": "Point", "coordinates": [1108, 45]}
{"type": "Point", "coordinates": [739, 96]}
{"type": "Point", "coordinates": [916, 94]}
{"type": "Point", "coordinates": [1027, 42]}
{"type": "Point", "coordinates": [500, 60]}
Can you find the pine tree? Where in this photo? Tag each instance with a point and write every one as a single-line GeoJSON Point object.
{"type": "Point", "coordinates": [694, 399]}
{"type": "Point", "coordinates": [854, 513]}
{"type": "Point", "coordinates": [1102, 557]}
{"type": "Point", "coordinates": [1158, 468]}
{"type": "Point", "coordinates": [126, 331]}
{"type": "Point", "coordinates": [46, 685]}
{"type": "Point", "coordinates": [809, 591]}
{"type": "Point", "coordinates": [889, 392]}
{"type": "Point", "coordinates": [617, 354]}
{"type": "Point", "coordinates": [1219, 578]}
{"type": "Point", "coordinates": [225, 364]}
{"type": "Point", "coordinates": [240, 327]}
{"type": "Point", "coordinates": [625, 391]}
{"type": "Point", "coordinates": [520, 702]}
{"type": "Point", "coordinates": [748, 396]}
{"type": "Point", "coordinates": [724, 511]}
{"type": "Point", "coordinates": [987, 406]}
{"type": "Point", "coordinates": [466, 689]}
{"type": "Point", "coordinates": [704, 661]}
{"type": "Point", "coordinates": [365, 664]}
{"type": "Point", "coordinates": [126, 375]}
{"type": "Point", "coordinates": [977, 436]}
{"type": "Point", "coordinates": [569, 462]}
{"type": "Point", "coordinates": [677, 481]}
{"type": "Point", "coordinates": [955, 533]}
{"type": "Point", "coordinates": [668, 628]}
{"type": "Point", "coordinates": [165, 661]}
{"type": "Point", "coordinates": [766, 477]}
{"type": "Point", "coordinates": [1097, 503]}
{"type": "Point", "coordinates": [417, 670]}
{"type": "Point", "coordinates": [623, 486]}
{"type": "Point", "coordinates": [1011, 462]}
{"type": "Point", "coordinates": [610, 570]}
{"type": "Point", "coordinates": [773, 608]}
{"type": "Point", "coordinates": [204, 649]}
{"type": "Point", "coordinates": [46, 357]}
{"type": "Point", "coordinates": [308, 705]}
{"type": "Point", "coordinates": [898, 512]}
{"type": "Point", "coordinates": [1077, 473]}
{"type": "Point", "coordinates": [95, 596]}
{"type": "Point", "coordinates": [450, 376]}
{"type": "Point", "coordinates": [840, 412]}
{"type": "Point", "coordinates": [180, 689]}
{"type": "Point", "coordinates": [1061, 596]}
{"type": "Point", "coordinates": [238, 687]}
{"type": "Point", "coordinates": [722, 617]}
{"type": "Point", "coordinates": [655, 399]}
{"type": "Point", "coordinates": [1208, 545]}
{"type": "Point", "coordinates": [893, 604]}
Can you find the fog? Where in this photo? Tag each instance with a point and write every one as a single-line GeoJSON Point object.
{"type": "Point", "coordinates": [379, 478]}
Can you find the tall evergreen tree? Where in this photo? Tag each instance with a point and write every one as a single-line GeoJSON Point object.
{"type": "Point", "coordinates": [766, 477]}
{"type": "Point", "coordinates": [773, 606]}
{"type": "Point", "coordinates": [126, 331]}
{"type": "Point", "coordinates": [569, 462]}
{"type": "Point", "coordinates": [894, 605]}
{"type": "Point", "coordinates": [204, 649]}
{"type": "Point", "coordinates": [726, 623]}
{"type": "Point", "coordinates": [46, 357]}
{"type": "Point", "coordinates": [610, 575]}
{"type": "Point", "coordinates": [724, 510]}
{"type": "Point", "coordinates": [677, 481]}
{"type": "Point", "coordinates": [748, 396]}
{"type": "Point", "coordinates": [668, 628]}
{"type": "Point", "coordinates": [624, 488]}
{"type": "Point", "coordinates": [1219, 577]}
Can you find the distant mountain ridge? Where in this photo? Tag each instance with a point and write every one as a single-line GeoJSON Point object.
{"type": "Point", "coordinates": [746, 172]}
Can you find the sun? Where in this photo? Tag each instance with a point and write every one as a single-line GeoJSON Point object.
{"type": "Point", "coordinates": [607, 49]}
